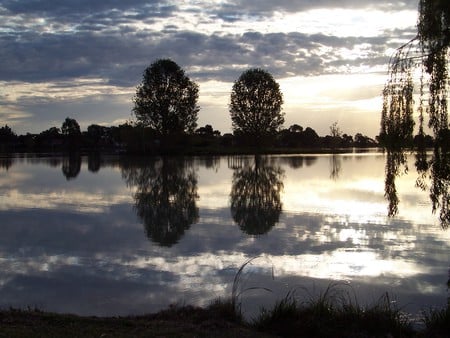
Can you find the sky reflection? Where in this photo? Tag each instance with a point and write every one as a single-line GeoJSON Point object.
{"type": "Point", "coordinates": [80, 246]}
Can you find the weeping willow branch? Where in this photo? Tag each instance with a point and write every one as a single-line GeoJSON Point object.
{"type": "Point", "coordinates": [427, 54]}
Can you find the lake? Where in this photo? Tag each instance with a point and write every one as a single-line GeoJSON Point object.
{"type": "Point", "coordinates": [107, 235]}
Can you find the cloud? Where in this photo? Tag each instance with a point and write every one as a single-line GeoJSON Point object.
{"type": "Point", "coordinates": [62, 45]}
{"type": "Point", "coordinates": [121, 60]}
{"type": "Point", "coordinates": [233, 11]}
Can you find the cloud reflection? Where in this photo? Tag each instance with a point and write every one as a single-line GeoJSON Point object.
{"type": "Point", "coordinates": [64, 258]}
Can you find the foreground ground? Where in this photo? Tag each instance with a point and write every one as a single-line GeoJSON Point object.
{"type": "Point", "coordinates": [286, 319]}
{"type": "Point", "coordinates": [184, 322]}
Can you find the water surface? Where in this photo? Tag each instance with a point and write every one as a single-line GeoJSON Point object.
{"type": "Point", "coordinates": [118, 236]}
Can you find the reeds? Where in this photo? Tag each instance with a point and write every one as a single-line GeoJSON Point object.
{"type": "Point", "coordinates": [333, 312]}
{"type": "Point", "coordinates": [437, 322]}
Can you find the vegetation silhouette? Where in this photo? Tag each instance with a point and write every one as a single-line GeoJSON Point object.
{"type": "Point", "coordinates": [71, 132]}
{"type": "Point", "coordinates": [255, 196]}
{"type": "Point", "coordinates": [165, 199]}
{"type": "Point", "coordinates": [429, 53]}
{"type": "Point", "coordinates": [255, 106]}
{"type": "Point", "coordinates": [166, 100]}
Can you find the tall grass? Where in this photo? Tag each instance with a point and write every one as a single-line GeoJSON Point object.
{"type": "Point", "coordinates": [231, 308]}
{"type": "Point", "coordinates": [239, 286]}
{"type": "Point", "coordinates": [332, 313]}
{"type": "Point", "coordinates": [437, 322]}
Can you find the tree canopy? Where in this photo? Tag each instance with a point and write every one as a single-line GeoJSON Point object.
{"type": "Point", "coordinates": [166, 100]}
{"type": "Point", "coordinates": [70, 127]}
{"type": "Point", "coordinates": [427, 52]}
{"type": "Point", "coordinates": [428, 55]}
{"type": "Point", "coordinates": [255, 105]}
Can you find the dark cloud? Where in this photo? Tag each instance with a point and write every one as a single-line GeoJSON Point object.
{"type": "Point", "coordinates": [121, 57]}
{"type": "Point", "coordinates": [70, 10]}
{"type": "Point", "coordinates": [103, 43]}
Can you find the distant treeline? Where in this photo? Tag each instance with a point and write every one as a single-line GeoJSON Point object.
{"type": "Point", "coordinates": [130, 138]}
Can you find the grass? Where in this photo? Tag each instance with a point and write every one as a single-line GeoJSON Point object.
{"type": "Point", "coordinates": [333, 313]}
{"type": "Point", "coordinates": [437, 322]}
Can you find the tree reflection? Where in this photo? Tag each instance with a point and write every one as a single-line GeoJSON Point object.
{"type": "Point", "coordinates": [94, 162]}
{"type": "Point", "coordinates": [440, 180]}
{"type": "Point", "coordinates": [436, 168]}
{"type": "Point", "coordinates": [71, 166]}
{"type": "Point", "coordinates": [296, 162]}
{"type": "Point", "coordinates": [335, 166]}
{"type": "Point", "coordinates": [6, 163]}
{"type": "Point", "coordinates": [165, 198]}
{"type": "Point", "coordinates": [395, 161]}
{"type": "Point", "coordinates": [255, 196]}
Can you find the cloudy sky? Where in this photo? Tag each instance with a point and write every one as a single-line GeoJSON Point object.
{"type": "Point", "coordinates": [84, 58]}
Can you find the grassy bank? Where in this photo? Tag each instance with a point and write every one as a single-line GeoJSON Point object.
{"type": "Point", "coordinates": [325, 316]}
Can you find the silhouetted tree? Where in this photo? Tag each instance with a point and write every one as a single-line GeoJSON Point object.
{"type": "Point", "coordinates": [428, 51]}
{"type": "Point", "coordinates": [207, 130]}
{"type": "Point", "coordinates": [70, 129]}
{"type": "Point", "coordinates": [309, 137]}
{"type": "Point", "coordinates": [364, 141]}
{"type": "Point", "coordinates": [295, 128]}
{"type": "Point", "coordinates": [255, 197]}
{"type": "Point", "coordinates": [7, 138]}
{"type": "Point", "coordinates": [166, 100]}
{"type": "Point", "coordinates": [96, 133]}
{"type": "Point", "coordinates": [255, 105]}
{"type": "Point", "coordinates": [165, 198]}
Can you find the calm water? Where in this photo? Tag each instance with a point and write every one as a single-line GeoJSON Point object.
{"type": "Point", "coordinates": [110, 236]}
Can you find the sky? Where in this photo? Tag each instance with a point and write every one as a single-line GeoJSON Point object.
{"type": "Point", "coordinates": [84, 58]}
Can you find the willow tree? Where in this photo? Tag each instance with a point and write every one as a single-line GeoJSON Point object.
{"type": "Point", "coordinates": [426, 54]}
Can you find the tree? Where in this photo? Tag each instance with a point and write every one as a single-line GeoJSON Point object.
{"type": "Point", "coordinates": [70, 127]}
{"type": "Point", "coordinates": [71, 131]}
{"type": "Point", "coordinates": [166, 100]}
{"type": "Point", "coordinates": [7, 138]}
{"type": "Point", "coordinates": [295, 128]}
{"type": "Point", "coordinates": [428, 51]}
{"type": "Point", "coordinates": [335, 131]}
{"type": "Point", "coordinates": [6, 134]}
{"type": "Point", "coordinates": [255, 105]}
